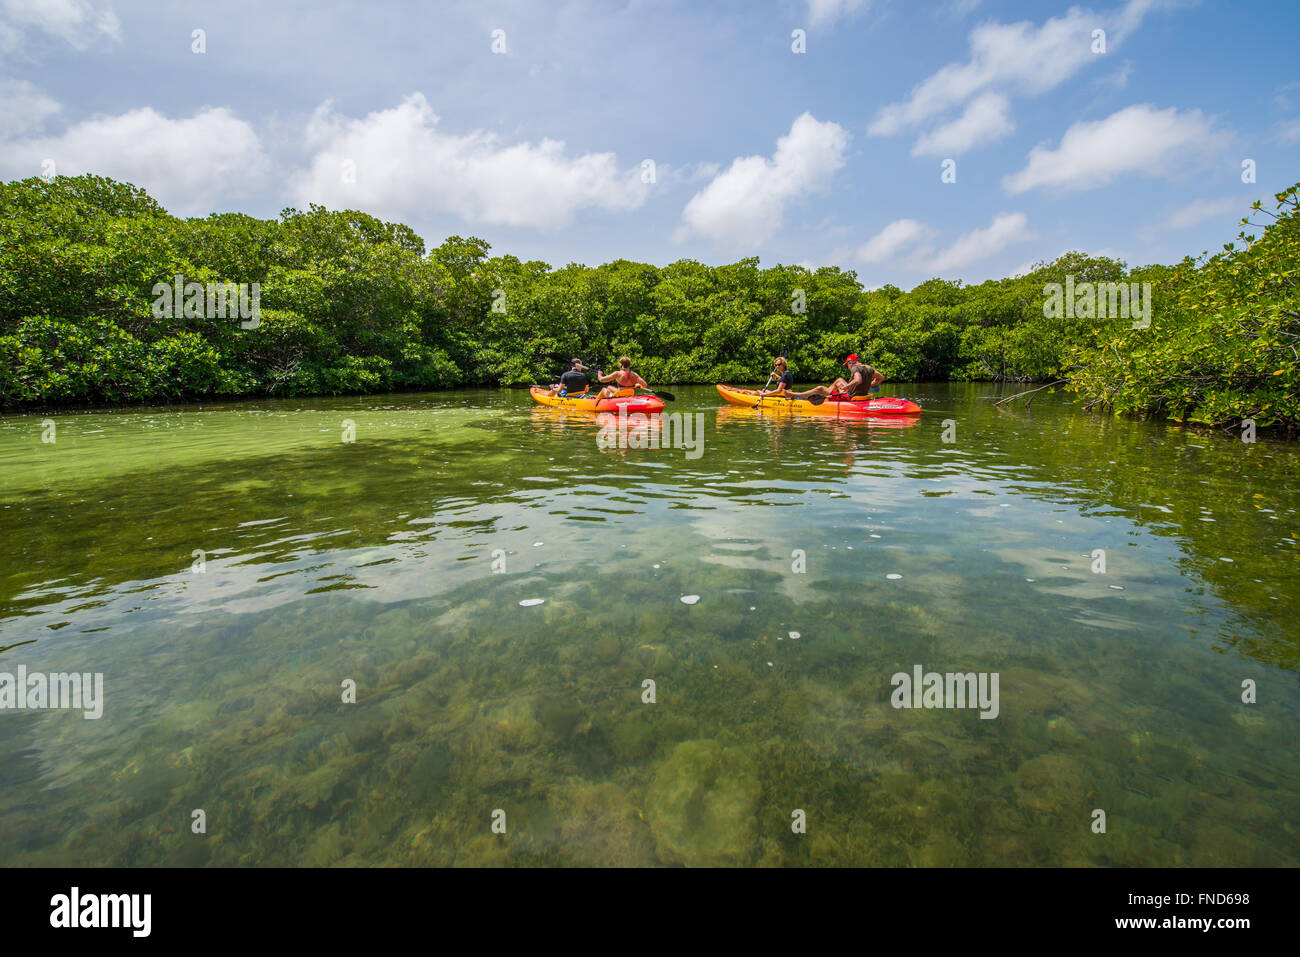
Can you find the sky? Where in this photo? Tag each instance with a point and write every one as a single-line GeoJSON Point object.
{"type": "Point", "coordinates": [902, 139]}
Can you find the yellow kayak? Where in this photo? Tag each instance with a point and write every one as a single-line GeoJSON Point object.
{"type": "Point", "coordinates": [842, 408]}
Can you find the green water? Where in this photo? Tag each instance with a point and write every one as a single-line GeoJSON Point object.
{"type": "Point", "coordinates": [373, 561]}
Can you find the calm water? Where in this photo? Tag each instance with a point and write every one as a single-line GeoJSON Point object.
{"type": "Point", "coordinates": [399, 561]}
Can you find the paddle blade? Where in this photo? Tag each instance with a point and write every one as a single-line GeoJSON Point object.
{"type": "Point", "coordinates": [666, 396]}
{"type": "Point", "coordinates": [816, 399]}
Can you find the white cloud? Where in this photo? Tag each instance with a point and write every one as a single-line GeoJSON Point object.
{"type": "Point", "coordinates": [1018, 58]}
{"type": "Point", "coordinates": [1019, 55]}
{"type": "Point", "coordinates": [1119, 79]}
{"type": "Point", "coordinates": [825, 12]}
{"type": "Point", "coordinates": [1280, 98]}
{"type": "Point", "coordinates": [78, 22]}
{"type": "Point", "coordinates": [23, 108]}
{"type": "Point", "coordinates": [745, 205]}
{"type": "Point", "coordinates": [404, 163]}
{"type": "Point", "coordinates": [1007, 229]}
{"type": "Point", "coordinates": [1227, 208]}
{"type": "Point", "coordinates": [692, 172]}
{"type": "Point", "coordinates": [1203, 209]}
{"type": "Point", "coordinates": [889, 241]}
{"type": "Point", "coordinates": [1130, 16]}
{"type": "Point", "coordinates": [1289, 130]}
{"type": "Point", "coordinates": [1137, 139]}
{"type": "Point", "coordinates": [983, 123]}
{"type": "Point", "coordinates": [189, 165]}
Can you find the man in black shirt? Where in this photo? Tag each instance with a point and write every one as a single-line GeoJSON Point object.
{"type": "Point", "coordinates": [573, 382]}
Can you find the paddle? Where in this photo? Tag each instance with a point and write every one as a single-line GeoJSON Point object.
{"type": "Point", "coordinates": [593, 388]}
{"type": "Point", "coordinates": [819, 399]}
{"type": "Point", "coordinates": [536, 385]}
{"type": "Point", "coordinates": [666, 396]}
{"type": "Point", "coordinates": [784, 355]}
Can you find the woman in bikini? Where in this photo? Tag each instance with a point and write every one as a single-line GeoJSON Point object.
{"type": "Point", "coordinates": [625, 380]}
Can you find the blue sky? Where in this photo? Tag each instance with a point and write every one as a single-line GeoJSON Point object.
{"type": "Point", "coordinates": [831, 156]}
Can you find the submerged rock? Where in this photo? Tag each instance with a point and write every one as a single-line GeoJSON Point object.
{"type": "Point", "coordinates": [514, 727]}
{"type": "Point", "coordinates": [559, 715]}
{"type": "Point", "coordinates": [633, 738]}
{"type": "Point", "coordinates": [431, 774]}
{"type": "Point", "coordinates": [600, 827]}
{"type": "Point", "coordinates": [606, 648]}
{"type": "Point", "coordinates": [701, 805]}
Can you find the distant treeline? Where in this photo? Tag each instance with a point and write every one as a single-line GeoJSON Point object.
{"type": "Point", "coordinates": [350, 304]}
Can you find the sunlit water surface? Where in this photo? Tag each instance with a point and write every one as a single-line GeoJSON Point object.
{"type": "Point", "coordinates": [229, 567]}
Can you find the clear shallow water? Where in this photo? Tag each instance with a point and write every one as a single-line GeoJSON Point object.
{"type": "Point", "coordinates": [373, 561]}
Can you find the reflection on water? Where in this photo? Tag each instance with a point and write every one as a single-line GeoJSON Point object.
{"type": "Point", "coordinates": [778, 420]}
{"type": "Point", "coordinates": [399, 560]}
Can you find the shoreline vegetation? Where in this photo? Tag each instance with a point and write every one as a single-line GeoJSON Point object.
{"type": "Point", "coordinates": [348, 304]}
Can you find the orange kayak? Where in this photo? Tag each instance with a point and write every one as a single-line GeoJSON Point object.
{"type": "Point", "coordinates": [842, 408]}
{"type": "Point", "coordinates": [585, 402]}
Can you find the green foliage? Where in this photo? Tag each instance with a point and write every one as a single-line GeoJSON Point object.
{"type": "Point", "coordinates": [93, 360]}
{"type": "Point", "coordinates": [1222, 343]}
{"type": "Point", "coordinates": [353, 304]}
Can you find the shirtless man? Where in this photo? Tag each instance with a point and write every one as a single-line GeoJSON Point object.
{"type": "Point", "coordinates": [862, 380]}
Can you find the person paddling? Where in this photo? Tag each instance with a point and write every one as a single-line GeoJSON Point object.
{"type": "Point", "coordinates": [625, 379]}
{"type": "Point", "coordinates": [786, 381]}
{"type": "Point", "coordinates": [862, 380]}
{"type": "Point", "coordinates": [573, 382]}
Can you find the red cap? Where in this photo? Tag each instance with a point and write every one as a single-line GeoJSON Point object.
{"type": "Point", "coordinates": [851, 358]}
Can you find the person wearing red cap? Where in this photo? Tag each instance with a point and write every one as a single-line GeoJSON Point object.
{"type": "Point", "coordinates": [862, 380]}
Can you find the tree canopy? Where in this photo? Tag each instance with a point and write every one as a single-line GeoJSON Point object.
{"type": "Point", "coordinates": [351, 304]}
